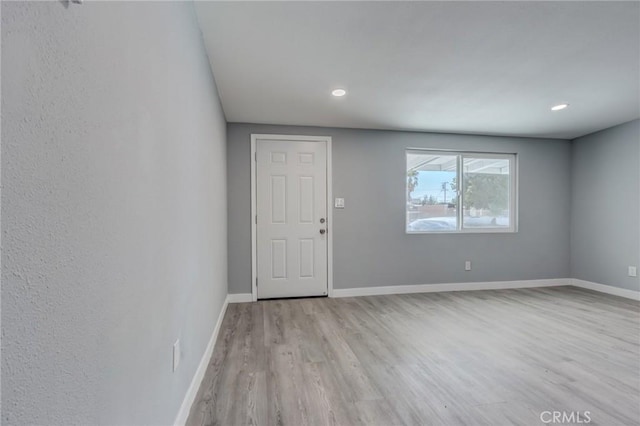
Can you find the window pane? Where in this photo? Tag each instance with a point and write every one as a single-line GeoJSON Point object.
{"type": "Point", "coordinates": [486, 192]}
{"type": "Point", "coordinates": [431, 195]}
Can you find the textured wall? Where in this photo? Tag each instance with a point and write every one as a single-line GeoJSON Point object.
{"type": "Point", "coordinates": [370, 245]}
{"type": "Point", "coordinates": [113, 210]}
{"type": "Point", "coordinates": [605, 213]}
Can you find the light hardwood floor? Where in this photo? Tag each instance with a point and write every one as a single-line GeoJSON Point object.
{"type": "Point", "coordinates": [497, 357]}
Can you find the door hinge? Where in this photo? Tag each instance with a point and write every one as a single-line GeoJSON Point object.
{"type": "Point", "coordinates": [256, 281]}
{"type": "Point", "coordinates": [255, 156]}
{"type": "Point", "coordinates": [256, 219]}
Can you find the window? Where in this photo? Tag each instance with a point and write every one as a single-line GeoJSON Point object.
{"type": "Point", "coordinates": [460, 192]}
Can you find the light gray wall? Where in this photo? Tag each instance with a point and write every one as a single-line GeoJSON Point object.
{"type": "Point", "coordinates": [370, 245]}
{"type": "Point", "coordinates": [605, 235]}
{"type": "Point", "coordinates": [113, 210]}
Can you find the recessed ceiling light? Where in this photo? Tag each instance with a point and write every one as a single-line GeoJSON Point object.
{"type": "Point", "coordinates": [559, 107]}
{"type": "Point", "coordinates": [339, 92]}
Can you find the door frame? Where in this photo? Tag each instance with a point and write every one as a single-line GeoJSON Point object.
{"type": "Point", "coordinates": [255, 138]}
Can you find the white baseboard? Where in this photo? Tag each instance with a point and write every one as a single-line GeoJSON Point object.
{"type": "Point", "coordinates": [183, 414]}
{"type": "Point", "coordinates": [602, 288]}
{"type": "Point", "coordinates": [240, 298]}
{"type": "Point", "coordinates": [433, 288]}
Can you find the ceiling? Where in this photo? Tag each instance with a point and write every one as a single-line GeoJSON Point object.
{"type": "Point", "coordinates": [491, 68]}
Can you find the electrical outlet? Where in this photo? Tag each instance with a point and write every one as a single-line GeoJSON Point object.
{"type": "Point", "coordinates": [633, 271]}
{"type": "Point", "coordinates": [176, 354]}
{"type": "Point", "coordinates": [467, 265]}
{"type": "Point", "coordinates": [339, 203]}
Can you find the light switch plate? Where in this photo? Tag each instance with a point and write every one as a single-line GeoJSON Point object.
{"type": "Point", "coordinates": [176, 354]}
{"type": "Point", "coordinates": [633, 271]}
{"type": "Point", "coordinates": [339, 204]}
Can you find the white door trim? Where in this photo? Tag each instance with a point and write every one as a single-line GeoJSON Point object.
{"type": "Point", "coordinates": [254, 255]}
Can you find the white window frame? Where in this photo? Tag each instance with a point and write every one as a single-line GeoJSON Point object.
{"type": "Point", "coordinates": [513, 190]}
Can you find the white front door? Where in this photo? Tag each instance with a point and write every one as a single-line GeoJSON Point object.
{"type": "Point", "coordinates": [291, 207]}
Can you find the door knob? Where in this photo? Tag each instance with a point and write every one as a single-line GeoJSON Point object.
{"type": "Point", "coordinates": [322, 231]}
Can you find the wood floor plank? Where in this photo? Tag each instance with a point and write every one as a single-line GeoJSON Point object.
{"type": "Point", "coordinates": [460, 358]}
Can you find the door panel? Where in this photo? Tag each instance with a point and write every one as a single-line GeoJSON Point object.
{"type": "Point", "coordinates": [291, 191]}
